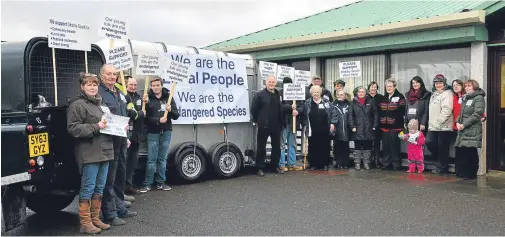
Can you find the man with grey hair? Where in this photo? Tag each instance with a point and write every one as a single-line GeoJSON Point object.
{"type": "Point", "coordinates": [113, 205]}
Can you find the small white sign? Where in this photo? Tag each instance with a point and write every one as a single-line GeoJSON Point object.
{"type": "Point", "coordinates": [69, 35]}
{"type": "Point", "coordinates": [121, 57]}
{"type": "Point", "coordinates": [266, 69]}
{"type": "Point", "coordinates": [148, 65]}
{"type": "Point", "coordinates": [350, 69]}
{"type": "Point", "coordinates": [112, 28]}
{"type": "Point", "coordinates": [175, 71]}
{"type": "Point", "coordinates": [302, 77]}
{"type": "Point", "coordinates": [293, 91]}
{"type": "Point", "coordinates": [283, 71]}
{"type": "Point", "coordinates": [116, 125]}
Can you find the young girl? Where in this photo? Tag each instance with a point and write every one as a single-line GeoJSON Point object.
{"type": "Point", "coordinates": [415, 139]}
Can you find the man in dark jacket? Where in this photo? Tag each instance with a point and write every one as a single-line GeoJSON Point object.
{"type": "Point", "coordinates": [136, 132]}
{"type": "Point", "coordinates": [113, 205]}
{"type": "Point", "coordinates": [266, 112]}
{"type": "Point", "coordinates": [316, 81]}
{"type": "Point", "coordinates": [287, 136]}
{"type": "Point", "coordinates": [159, 133]}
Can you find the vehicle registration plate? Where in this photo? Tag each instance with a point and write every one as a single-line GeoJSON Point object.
{"type": "Point", "coordinates": [38, 144]}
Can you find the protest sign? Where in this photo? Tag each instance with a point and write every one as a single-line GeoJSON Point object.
{"type": "Point", "coordinates": [113, 29]}
{"type": "Point", "coordinates": [215, 91]}
{"type": "Point", "coordinates": [283, 71]}
{"type": "Point", "coordinates": [148, 65]}
{"type": "Point", "coordinates": [292, 91]}
{"type": "Point", "coordinates": [69, 35]}
{"type": "Point", "coordinates": [115, 125]}
{"type": "Point", "coordinates": [350, 69]}
{"type": "Point", "coordinates": [266, 69]}
{"type": "Point", "coordinates": [302, 77]}
{"type": "Point", "coordinates": [175, 71]}
{"type": "Point", "coordinates": [121, 57]}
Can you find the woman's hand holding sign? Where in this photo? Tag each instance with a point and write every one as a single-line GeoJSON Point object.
{"type": "Point", "coordinates": [102, 124]}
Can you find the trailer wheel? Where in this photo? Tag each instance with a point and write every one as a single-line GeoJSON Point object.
{"type": "Point", "coordinates": [190, 164]}
{"type": "Point", "coordinates": [226, 161]}
{"type": "Point", "coordinates": [45, 204]}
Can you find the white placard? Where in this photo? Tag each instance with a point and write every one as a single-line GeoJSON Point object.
{"type": "Point", "coordinates": [113, 28]}
{"type": "Point", "coordinates": [283, 71]}
{"type": "Point", "coordinates": [292, 91]}
{"type": "Point", "coordinates": [121, 57]}
{"type": "Point", "coordinates": [116, 125]}
{"type": "Point", "coordinates": [148, 65]}
{"type": "Point", "coordinates": [69, 35]}
{"type": "Point", "coordinates": [302, 77]}
{"type": "Point", "coordinates": [266, 69]}
{"type": "Point", "coordinates": [216, 91]}
{"type": "Point", "coordinates": [175, 71]}
{"type": "Point", "coordinates": [350, 69]}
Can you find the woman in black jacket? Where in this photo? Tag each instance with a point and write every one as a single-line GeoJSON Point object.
{"type": "Point", "coordinates": [363, 121]}
{"type": "Point", "coordinates": [418, 100]}
{"type": "Point", "coordinates": [377, 98]}
{"type": "Point", "coordinates": [341, 137]}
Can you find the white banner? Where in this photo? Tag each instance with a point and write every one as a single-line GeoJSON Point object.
{"type": "Point", "coordinates": [116, 125]}
{"type": "Point", "coordinates": [148, 65]}
{"type": "Point", "coordinates": [113, 29]}
{"type": "Point", "coordinates": [216, 91]}
{"type": "Point", "coordinates": [302, 77]}
{"type": "Point", "coordinates": [293, 91]}
{"type": "Point", "coordinates": [69, 35]}
{"type": "Point", "coordinates": [283, 71]}
{"type": "Point", "coordinates": [121, 57]}
{"type": "Point", "coordinates": [266, 69]}
{"type": "Point", "coordinates": [350, 69]}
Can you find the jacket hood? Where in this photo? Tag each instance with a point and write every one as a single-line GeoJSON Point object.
{"type": "Point", "coordinates": [475, 93]}
{"type": "Point", "coordinates": [164, 94]}
{"type": "Point", "coordinates": [82, 96]}
{"type": "Point", "coordinates": [344, 102]}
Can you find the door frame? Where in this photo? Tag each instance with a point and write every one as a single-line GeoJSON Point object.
{"type": "Point", "coordinates": [494, 113]}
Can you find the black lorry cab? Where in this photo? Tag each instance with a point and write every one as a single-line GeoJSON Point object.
{"type": "Point", "coordinates": [35, 142]}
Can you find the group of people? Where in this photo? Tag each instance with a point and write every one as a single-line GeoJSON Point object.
{"type": "Point", "coordinates": [420, 117]}
{"type": "Point", "coordinates": [106, 162]}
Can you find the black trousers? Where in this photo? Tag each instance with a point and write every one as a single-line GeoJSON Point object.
{"type": "Point", "coordinates": [377, 143]}
{"type": "Point", "coordinates": [467, 162]}
{"type": "Point", "coordinates": [363, 145]}
{"type": "Point", "coordinates": [275, 138]}
{"type": "Point", "coordinates": [438, 144]}
{"type": "Point", "coordinates": [341, 152]}
{"type": "Point", "coordinates": [113, 193]}
{"type": "Point", "coordinates": [391, 149]}
{"type": "Point", "coordinates": [319, 150]}
{"type": "Point", "coordinates": [131, 162]}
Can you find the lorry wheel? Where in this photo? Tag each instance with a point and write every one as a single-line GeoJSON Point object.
{"type": "Point", "coordinates": [226, 162]}
{"type": "Point", "coordinates": [48, 204]}
{"type": "Point", "coordinates": [190, 164]}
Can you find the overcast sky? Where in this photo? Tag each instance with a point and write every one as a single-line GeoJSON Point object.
{"type": "Point", "coordinates": [183, 22]}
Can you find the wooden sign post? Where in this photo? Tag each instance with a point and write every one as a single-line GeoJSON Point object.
{"type": "Point", "coordinates": [54, 79]}
{"type": "Point", "coordinates": [172, 91]}
{"type": "Point", "coordinates": [294, 119]}
{"type": "Point", "coordinates": [146, 86]}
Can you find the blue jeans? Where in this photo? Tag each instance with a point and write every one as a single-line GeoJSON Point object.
{"type": "Point", "coordinates": [290, 137]}
{"type": "Point", "coordinates": [94, 176]}
{"type": "Point", "coordinates": [157, 154]}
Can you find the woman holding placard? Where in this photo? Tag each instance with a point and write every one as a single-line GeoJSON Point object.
{"type": "Point", "coordinates": [93, 150]}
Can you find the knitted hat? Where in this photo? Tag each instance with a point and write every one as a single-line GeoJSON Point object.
{"type": "Point", "coordinates": [440, 78]}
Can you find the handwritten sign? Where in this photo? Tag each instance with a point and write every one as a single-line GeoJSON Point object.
{"type": "Point", "coordinates": [69, 35]}
{"type": "Point", "coordinates": [266, 69]}
{"type": "Point", "coordinates": [176, 71]}
{"type": "Point", "coordinates": [293, 91]}
{"type": "Point", "coordinates": [283, 71]}
{"type": "Point", "coordinates": [115, 125]}
{"type": "Point", "coordinates": [148, 65]}
{"type": "Point", "coordinates": [121, 57]}
{"type": "Point", "coordinates": [350, 69]}
{"type": "Point", "coordinates": [114, 29]}
{"type": "Point", "coordinates": [302, 77]}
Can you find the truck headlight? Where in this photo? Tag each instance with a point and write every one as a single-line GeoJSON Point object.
{"type": "Point", "coordinates": [40, 160]}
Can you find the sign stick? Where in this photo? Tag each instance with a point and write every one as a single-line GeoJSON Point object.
{"type": "Point", "coordinates": [86, 60]}
{"type": "Point", "coordinates": [172, 90]}
{"type": "Point", "coordinates": [294, 120]}
{"type": "Point", "coordinates": [55, 82]}
{"type": "Point", "coordinates": [145, 93]}
{"type": "Point", "coordinates": [305, 148]}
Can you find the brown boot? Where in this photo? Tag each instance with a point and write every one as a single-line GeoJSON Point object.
{"type": "Point", "coordinates": [96, 203]}
{"type": "Point", "coordinates": [85, 219]}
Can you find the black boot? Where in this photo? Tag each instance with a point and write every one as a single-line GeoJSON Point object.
{"type": "Point", "coordinates": [366, 159]}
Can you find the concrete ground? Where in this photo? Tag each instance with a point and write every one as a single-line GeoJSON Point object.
{"type": "Point", "coordinates": [336, 202]}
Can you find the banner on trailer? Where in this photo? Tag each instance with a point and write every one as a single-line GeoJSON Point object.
{"type": "Point", "coordinates": [215, 92]}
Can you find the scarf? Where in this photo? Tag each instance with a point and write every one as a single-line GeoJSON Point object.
{"type": "Point", "coordinates": [361, 100]}
{"type": "Point", "coordinates": [414, 95]}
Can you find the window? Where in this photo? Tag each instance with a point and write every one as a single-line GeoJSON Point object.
{"type": "Point", "coordinates": [452, 63]}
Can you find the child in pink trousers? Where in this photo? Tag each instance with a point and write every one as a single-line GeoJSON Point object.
{"type": "Point", "coordinates": [415, 140]}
